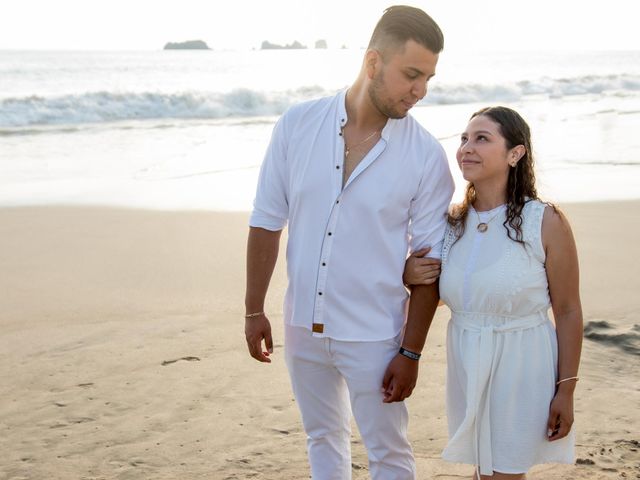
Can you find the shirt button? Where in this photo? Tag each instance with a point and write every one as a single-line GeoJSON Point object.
{"type": "Point", "coordinates": [324, 264]}
{"type": "Point", "coordinates": [319, 293]}
{"type": "Point", "coordinates": [337, 201]}
{"type": "Point", "coordinates": [329, 234]}
{"type": "Point", "coordinates": [337, 167]}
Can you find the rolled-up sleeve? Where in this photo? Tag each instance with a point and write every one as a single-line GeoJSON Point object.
{"type": "Point", "coordinates": [271, 205]}
{"type": "Point", "coordinates": [428, 211]}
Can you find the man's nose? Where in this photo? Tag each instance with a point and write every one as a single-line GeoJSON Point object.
{"type": "Point", "coordinates": [420, 90]}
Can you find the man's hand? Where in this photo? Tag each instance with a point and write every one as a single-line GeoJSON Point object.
{"type": "Point", "coordinates": [399, 379]}
{"type": "Point", "coordinates": [256, 329]}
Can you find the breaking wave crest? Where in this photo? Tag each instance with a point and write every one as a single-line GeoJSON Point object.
{"type": "Point", "coordinates": [105, 106]}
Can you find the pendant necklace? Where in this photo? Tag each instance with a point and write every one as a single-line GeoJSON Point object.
{"type": "Point", "coordinates": [348, 149]}
{"type": "Point", "coordinates": [484, 226]}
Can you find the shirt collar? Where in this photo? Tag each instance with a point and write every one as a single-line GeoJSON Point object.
{"type": "Point", "coordinates": [342, 108]}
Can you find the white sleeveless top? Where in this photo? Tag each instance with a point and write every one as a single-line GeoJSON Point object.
{"type": "Point", "coordinates": [499, 276]}
{"type": "Point", "coordinates": [501, 346]}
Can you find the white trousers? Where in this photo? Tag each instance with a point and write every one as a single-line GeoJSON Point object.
{"type": "Point", "coordinates": [327, 375]}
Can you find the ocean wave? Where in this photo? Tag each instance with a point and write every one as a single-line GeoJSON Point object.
{"type": "Point", "coordinates": [614, 85]}
{"type": "Point", "coordinates": [101, 107]}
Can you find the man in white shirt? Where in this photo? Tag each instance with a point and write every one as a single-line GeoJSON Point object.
{"type": "Point", "coordinates": [360, 184]}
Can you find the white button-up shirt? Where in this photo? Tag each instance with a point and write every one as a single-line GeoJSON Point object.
{"type": "Point", "coordinates": [347, 246]}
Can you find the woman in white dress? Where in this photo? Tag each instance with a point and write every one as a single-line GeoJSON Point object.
{"type": "Point", "coordinates": [507, 258]}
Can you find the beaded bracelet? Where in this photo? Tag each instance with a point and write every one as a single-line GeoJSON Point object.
{"type": "Point", "coordinates": [251, 315]}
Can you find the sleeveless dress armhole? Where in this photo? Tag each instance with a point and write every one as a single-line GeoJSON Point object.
{"type": "Point", "coordinates": [533, 213]}
{"type": "Point", "coordinates": [449, 240]}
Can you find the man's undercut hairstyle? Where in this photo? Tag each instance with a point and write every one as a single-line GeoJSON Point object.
{"type": "Point", "coordinates": [401, 23]}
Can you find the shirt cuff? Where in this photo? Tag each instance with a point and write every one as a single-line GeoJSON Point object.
{"type": "Point", "coordinates": [264, 220]}
{"type": "Point", "coordinates": [435, 252]}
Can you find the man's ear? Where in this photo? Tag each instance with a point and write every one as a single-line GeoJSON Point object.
{"type": "Point", "coordinates": [372, 61]}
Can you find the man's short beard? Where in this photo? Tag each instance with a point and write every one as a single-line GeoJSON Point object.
{"type": "Point", "coordinates": [375, 88]}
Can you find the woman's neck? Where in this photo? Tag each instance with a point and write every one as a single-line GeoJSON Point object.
{"type": "Point", "coordinates": [489, 197]}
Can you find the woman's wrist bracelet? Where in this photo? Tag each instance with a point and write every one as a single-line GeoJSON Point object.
{"type": "Point", "coordinates": [567, 379]}
{"type": "Point", "coordinates": [251, 315]}
{"type": "Point", "coordinates": [410, 354]}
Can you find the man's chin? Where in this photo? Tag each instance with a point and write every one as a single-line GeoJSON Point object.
{"type": "Point", "coordinates": [399, 115]}
{"type": "Point", "coordinates": [394, 113]}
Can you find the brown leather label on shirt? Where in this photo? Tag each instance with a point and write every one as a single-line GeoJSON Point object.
{"type": "Point", "coordinates": [317, 327]}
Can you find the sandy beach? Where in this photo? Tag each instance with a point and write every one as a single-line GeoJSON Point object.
{"type": "Point", "coordinates": [122, 353]}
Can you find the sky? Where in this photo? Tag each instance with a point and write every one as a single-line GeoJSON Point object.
{"type": "Point", "coordinates": [244, 24]}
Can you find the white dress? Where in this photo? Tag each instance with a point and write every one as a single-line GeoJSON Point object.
{"type": "Point", "coordinates": [501, 346]}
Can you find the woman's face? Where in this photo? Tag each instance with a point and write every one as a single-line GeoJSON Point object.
{"type": "Point", "coordinates": [483, 153]}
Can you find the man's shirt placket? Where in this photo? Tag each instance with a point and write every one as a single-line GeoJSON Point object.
{"type": "Point", "coordinates": [329, 234]}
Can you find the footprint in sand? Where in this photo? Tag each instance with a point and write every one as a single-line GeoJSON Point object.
{"type": "Point", "coordinates": [188, 359]}
{"type": "Point", "coordinates": [622, 457]}
{"type": "Point", "coordinates": [59, 425]}
{"type": "Point", "coordinates": [82, 420]}
{"type": "Point", "coordinates": [629, 453]}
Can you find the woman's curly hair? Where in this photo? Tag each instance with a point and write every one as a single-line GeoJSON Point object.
{"type": "Point", "coordinates": [521, 184]}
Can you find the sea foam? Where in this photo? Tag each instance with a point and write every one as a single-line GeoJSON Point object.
{"type": "Point", "coordinates": [107, 106]}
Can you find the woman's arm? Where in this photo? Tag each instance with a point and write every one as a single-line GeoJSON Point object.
{"type": "Point", "coordinates": [563, 277]}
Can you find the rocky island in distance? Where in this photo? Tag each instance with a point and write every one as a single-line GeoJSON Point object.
{"type": "Point", "coordinates": [296, 45]}
{"type": "Point", "coordinates": [188, 45]}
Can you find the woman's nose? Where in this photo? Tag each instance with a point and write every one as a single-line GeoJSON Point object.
{"type": "Point", "coordinates": [465, 146]}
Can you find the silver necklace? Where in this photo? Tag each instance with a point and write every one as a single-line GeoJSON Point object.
{"type": "Point", "coordinates": [484, 226]}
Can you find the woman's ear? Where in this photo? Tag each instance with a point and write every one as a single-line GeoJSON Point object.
{"type": "Point", "coordinates": [516, 154]}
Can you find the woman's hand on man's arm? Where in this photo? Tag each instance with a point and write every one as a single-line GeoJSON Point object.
{"type": "Point", "coordinates": [421, 270]}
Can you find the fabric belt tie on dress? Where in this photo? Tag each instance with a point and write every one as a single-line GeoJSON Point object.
{"type": "Point", "coordinates": [477, 415]}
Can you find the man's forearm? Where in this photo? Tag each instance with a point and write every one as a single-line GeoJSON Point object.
{"type": "Point", "coordinates": [262, 253]}
{"type": "Point", "coordinates": [422, 307]}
